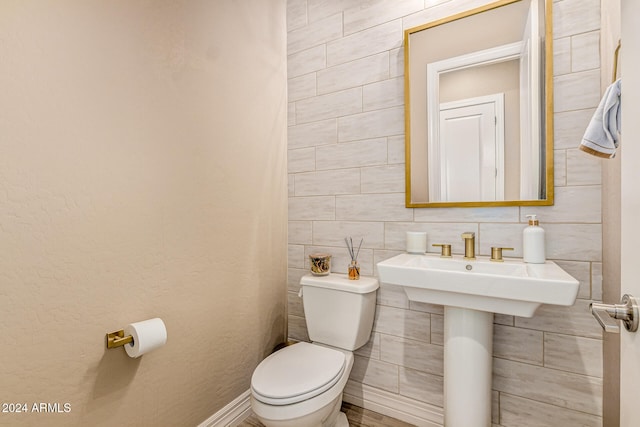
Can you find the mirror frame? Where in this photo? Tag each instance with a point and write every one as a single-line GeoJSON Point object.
{"type": "Point", "coordinates": [548, 113]}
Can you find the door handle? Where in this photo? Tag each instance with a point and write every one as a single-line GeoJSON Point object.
{"type": "Point", "coordinates": [627, 311]}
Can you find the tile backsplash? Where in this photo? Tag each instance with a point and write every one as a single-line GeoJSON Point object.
{"type": "Point", "coordinates": [346, 177]}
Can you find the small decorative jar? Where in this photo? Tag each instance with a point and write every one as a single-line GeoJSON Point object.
{"type": "Point", "coordinates": [320, 264]}
{"type": "Point", "coordinates": [354, 270]}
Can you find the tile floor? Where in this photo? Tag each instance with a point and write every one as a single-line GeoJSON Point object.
{"type": "Point", "coordinates": [358, 417]}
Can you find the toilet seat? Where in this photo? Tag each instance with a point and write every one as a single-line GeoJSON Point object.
{"type": "Point", "coordinates": [297, 373]}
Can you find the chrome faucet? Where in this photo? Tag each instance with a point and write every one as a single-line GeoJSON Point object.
{"type": "Point", "coordinates": [469, 245]}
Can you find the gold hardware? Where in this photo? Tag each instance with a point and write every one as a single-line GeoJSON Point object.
{"type": "Point", "coordinates": [469, 245]}
{"type": "Point", "coordinates": [445, 250]}
{"type": "Point", "coordinates": [117, 339]}
{"type": "Point", "coordinates": [616, 54]}
{"type": "Point", "coordinates": [496, 253]}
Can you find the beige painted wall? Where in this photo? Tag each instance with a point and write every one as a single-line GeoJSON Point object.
{"type": "Point", "coordinates": [142, 174]}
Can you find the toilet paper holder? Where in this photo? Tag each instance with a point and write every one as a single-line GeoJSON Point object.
{"type": "Point", "coordinates": [117, 339]}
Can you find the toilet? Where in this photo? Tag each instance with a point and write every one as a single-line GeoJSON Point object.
{"type": "Point", "coordinates": [301, 385]}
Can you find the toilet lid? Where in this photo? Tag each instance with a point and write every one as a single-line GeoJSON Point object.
{"type": "Point", "coordinates": [297, 373]}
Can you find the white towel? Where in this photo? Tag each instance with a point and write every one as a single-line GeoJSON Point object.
{"type": "Point", "coordinates": [603, 133]}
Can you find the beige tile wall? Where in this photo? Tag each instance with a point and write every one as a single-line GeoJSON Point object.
{"type": "Point", "coordinates": [346, 166]}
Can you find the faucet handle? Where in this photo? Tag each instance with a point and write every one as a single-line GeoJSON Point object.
{"type": "Point", "coordinates": [496, 253]}
{"type": "Point", "coordinates": [468, 235]}
{"type": "Point", "coordinates": [445, 250]}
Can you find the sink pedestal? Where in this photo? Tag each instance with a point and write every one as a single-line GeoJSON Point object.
{"type": "Point", "coordinates": [468, 367]}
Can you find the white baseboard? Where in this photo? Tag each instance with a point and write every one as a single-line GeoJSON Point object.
{"type": "Point", "coordinates": [393, 405]}
{"type": "Point", "coordinates": [232, 414]}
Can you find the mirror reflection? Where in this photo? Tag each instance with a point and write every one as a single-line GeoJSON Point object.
{"type": "Point", "coordinates": [478, 120]}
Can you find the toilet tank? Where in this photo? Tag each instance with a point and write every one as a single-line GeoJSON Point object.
{"type": "Point", "coordinates": [339, 312]}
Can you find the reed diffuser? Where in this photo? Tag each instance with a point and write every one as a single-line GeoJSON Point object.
{"type": "Point", "coordinates": [354, 267]}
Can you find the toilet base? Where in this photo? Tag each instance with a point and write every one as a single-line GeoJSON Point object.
{"type": "Point", "coordinates": [341, 420]}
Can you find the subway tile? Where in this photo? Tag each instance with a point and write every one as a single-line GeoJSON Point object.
{"type": "Point", "coordinates": [571, 204]}
{"type": "Point", "coordinates": [319, 9]}
{"type": "Point", "coordinates": [296, 14]}
{"type": "Point", "coordinates": [298, 328]}
{"type": "Point", "coordinates": [300, 232]}
{"type": "Point", "coordinates": [295, 306]}
{"type": "Point", "coordinates": [518, 412]}
{"type": "Point", "coordinates": [596, 281]}
{"type": "Point", "coordinates": [396, 63]}
{"type": "Point", "coordinates": [301, 87]}
{"type": "Point", "coordinates": [585, 51]}
{"type": "Point", "coordinates": [560, 168]}
{"type": "Point", "coordinates": [569, 127]}
{"type": "Point", "coordinates": [333, 233]}
{"type": "Point", "coordinates": [521, 345]}
{"type": "Point", "coordinates": [331, 182]}
{"type": "Point", "coordinates": [438, 9]}
{"type": "Point", "coordinates": [500, 214]}
{"type": "Point", "coordinates": [437, 329]}
{"type": "Point", "coordinates": [426, 307]}
{"type": "Point", "coordinates": [360, 18]}
{"type": "Point", "coordinates": [291, 113]}
{"type": "Point", "coordinates": [581, 271]}
{"type": "Point", "coordinates": [412, 354]}
{"type": "Point", "coordinates": [371, 349]}
{"type": "Point", "coordinates": [315, 33]}
{"type": "Point", "coordinates": [312, 208]}
{"type": "Point", "coordinates": [395, 153]}
{"type": "Point", "coordinates": [372, 124]}
{"type": "Point", "coordinates": [392, 296]}
{"type": "Point", "coordinates": [375, 373]}
{"type": "Point", "coordinates": [293, 278]}
{"type": "Point", "coordinates": [340, 258]}
{"type": "Point", "coordinates": [562, 56]}
{"type": "Point", "coordinates": [579, 242]}
{"type": "Point", "coordinates": [576, 91]}
{"type": "Point", "coordinates": [573, 320]}
{"type": "Point", "coordinates": [301, 160]}
{"type": "Point", "coordinates": [313, 134]}
{"type": "Point", "coordinates": [564, 389]}
{"type": "Point", "coordinates": [422, 386]}
{"type": "Point", "coordinates": [372, 207]}
{"type": "Point", "coordinates": [448, 233]}
{"type": "Point", "coordinates": [365, 43]}
{"type": "Point", "coordinates": [402, 323]}
{"type": "Point", "coordinates": [355, 73]}
{"type": "Point", "coordinates": [575, 16]}
{"type": "Point", "coordinates": [306, 61]}
{"type": "Point", "coordinates": [383, 94]}
{"type": "Point", "coordinates": [332, 105]}
{"type": "Point", "coordinates": [290, 185]}
{"type": "Point", "coordinates": [369, 152]}
{"type": "Point", "coordinates": [295, 256]}
{"type": "Point", "coordinates": [573, 354]}
{"type": "Point", "coordinates": [383, 179]}
{"type": "Point", "coordinates": [583, 168]}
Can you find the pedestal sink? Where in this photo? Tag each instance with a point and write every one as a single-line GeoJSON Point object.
{"type": "Point", "coordinates": [471, 291]}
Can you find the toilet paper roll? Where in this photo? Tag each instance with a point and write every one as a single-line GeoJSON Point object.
{"type": "Point", "coordinates": [416, 242]}
{"type": "Point", "coordinates": [147, 336]}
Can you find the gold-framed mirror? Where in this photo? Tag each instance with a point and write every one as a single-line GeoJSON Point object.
{"type": "Point", "coordinates": [479, 107]}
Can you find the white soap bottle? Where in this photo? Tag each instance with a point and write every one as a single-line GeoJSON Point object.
{"type": "Point", "coordinates": [533, 242]}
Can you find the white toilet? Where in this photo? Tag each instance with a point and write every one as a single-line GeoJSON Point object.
{"type": "Point", "coordinates": [301, 385]}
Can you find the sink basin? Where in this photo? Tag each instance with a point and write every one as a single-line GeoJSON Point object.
{"type": "Point", "coordinates": [510, 287]}
{"type": "Point", "coordinates": [471, 291]}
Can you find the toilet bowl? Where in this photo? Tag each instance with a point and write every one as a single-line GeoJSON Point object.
{"type": "Point", "coordinates": [306, 394]}
{"type": "Point", "coordinates": [302, 384]}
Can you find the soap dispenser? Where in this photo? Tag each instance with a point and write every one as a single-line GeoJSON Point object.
{"type": "Point", "coordinates": [533, 242]}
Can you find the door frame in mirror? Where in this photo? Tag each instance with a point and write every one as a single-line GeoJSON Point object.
{"type": "Point", "coordinates": [547, 117]}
